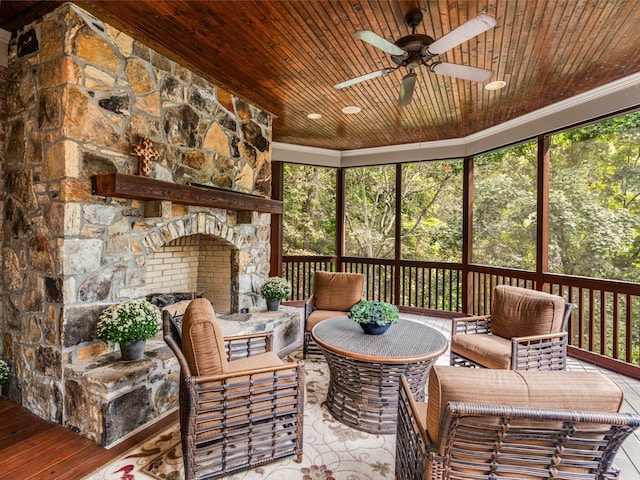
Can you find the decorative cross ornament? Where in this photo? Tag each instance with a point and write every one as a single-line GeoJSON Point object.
{"type": "Point", "coordinates": [146, 154]}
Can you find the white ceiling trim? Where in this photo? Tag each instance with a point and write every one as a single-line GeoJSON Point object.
{"type": "Point", "coordinates": [616, 96]}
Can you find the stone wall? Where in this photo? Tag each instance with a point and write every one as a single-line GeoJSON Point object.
{"type": "Point", "coordinates": [79, 95]}
{"type": "Point", "coordinates": [5, 341]}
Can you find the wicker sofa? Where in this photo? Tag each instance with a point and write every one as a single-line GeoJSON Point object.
{"type": "Point", "coordinates": [240, 405]}
{"type": "Point", "coordinates": [334, 293]}
{"type": "Point", "coordinates": [489, 424]}
{"type": "Point", "coordinates": [525, 331]}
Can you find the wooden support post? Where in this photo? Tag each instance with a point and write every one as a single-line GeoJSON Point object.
{"type": "Point", "coordinates": [542, 224]}
{"type": "Point", "coordinates": [467, 236]}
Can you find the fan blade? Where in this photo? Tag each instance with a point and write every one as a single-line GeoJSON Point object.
{"type": "Point", "coordinates": [379, 42]}
{"type": "Point", "coordinates": [461, 71]}
{"type": "Point", "coordinates": [362, 78]}
{"type": "Point", "coordinates": [406, 89]}
{"type": "Point", "coordinates": [464, 32]}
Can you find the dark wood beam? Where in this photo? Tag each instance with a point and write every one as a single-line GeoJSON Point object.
{"type": "Point", "coordinates": [277, 221]}
{"type": "Point", "coordinates": [341, 201]}
{"type": "Point", "coordinates": [467, 237]}
{"type": "Point", "coordinates": [398, 235]}
{"type": "Point", "coordinates": [144, 188]}
{"type": "Point", "coordinates": [542, 227]}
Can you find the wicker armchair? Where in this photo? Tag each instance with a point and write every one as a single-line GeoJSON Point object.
{"type": "Point", "coordinates": [525, 331]}
{"type": "Point", "coordinates": [511, 424]}
{"type": "Point", "coordinates": [240, 405]}
{"type": "Point", "coordinates": [334, 293]}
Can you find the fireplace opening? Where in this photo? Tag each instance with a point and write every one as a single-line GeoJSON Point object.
{"type": "Point", "coordinates": [196, 263]}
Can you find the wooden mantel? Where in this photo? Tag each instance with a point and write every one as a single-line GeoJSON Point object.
{"type": "Point", "coordinates": [145, 188]}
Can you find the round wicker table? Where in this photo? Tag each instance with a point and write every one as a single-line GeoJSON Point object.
{"type": "Point", "coordinates": [365, 370]}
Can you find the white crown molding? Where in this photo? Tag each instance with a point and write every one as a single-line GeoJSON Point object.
{"type": "Point", "coordinates": [615, 96]}
{"type": "Point", "coordinates": [5, 38]}
{"type": "Point", "coordinates": [287, 152]}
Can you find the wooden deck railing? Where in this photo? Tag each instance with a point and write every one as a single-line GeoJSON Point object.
{"type": "Point", "coordinates": [604, 327]}
{"type": "Point", "coordinates": [606, 316]}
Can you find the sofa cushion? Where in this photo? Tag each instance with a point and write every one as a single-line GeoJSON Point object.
{"type": "Point", "coordinates": [591, 391]}
{"type": "Point", "coordinates": [337, 291]}
{"type": "Point", "coordinates": [202, 339]}
{"type": "Point", "coordinates": [521, 312]}
{"type": "Point", "coordinates": [490, 351]}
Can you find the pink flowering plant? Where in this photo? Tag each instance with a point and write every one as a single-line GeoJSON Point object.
{"type": "Point", "coordinates": [126, 322]}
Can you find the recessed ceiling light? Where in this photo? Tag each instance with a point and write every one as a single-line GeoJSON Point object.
{"type": "Point", "coordinates": [314, 116]}
{"type": "Point", "coordinates": [496, 85]}
{"type": "Point", "coordinates": [351, 110]}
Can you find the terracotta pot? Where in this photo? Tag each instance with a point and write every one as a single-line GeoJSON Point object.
{"type": "Point", "coordinates": [133, 351]}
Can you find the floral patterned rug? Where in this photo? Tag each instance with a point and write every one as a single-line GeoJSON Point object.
{"type": "Point", "coordinates": [331, 449]}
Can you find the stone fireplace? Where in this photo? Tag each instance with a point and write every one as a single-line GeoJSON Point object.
{"type": "Point", "coordinates": [79, 95]}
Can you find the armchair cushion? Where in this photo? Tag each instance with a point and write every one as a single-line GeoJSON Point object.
{"type": "Point", "coordinates": [337, 291]}
{"type": "Point", "coordinates": [521, 312]}
{"type": "Point", "coordinates": [490, 351]}
{"type": "Point", "coordinates": [318, 316]}
{"type": "Point", "coordinates": [591, 391]}
{"type": "Point", "coordinates": [254, 362]}
{"type": "Point", "coordinates": [202, 339]}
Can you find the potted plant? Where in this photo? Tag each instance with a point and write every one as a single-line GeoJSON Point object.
{"type": "Point", "coordinates": [130, 324]}
{"type": "Point", "coordinates": [374, 317]}
{"type": "Point", "coordinates": [4, 373]}
{"type": "Point", "coordinates": [274, 290]}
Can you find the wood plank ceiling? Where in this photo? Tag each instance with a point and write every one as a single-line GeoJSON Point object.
{"type": "Point", "coordinates": [285, 57]}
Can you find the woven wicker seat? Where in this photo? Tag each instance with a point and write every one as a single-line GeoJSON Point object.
{"type": "Point", "coordinates": [334, 293]}
{"type": "Point", "coordinates": [525, 331]}
{"type": "Point", "coordinates": [510, 425]}
{"type": "Point", "coordinates": [240, 405]}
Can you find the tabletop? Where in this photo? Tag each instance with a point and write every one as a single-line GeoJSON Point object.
{"type": "Point", "coordinates": [405, 341]}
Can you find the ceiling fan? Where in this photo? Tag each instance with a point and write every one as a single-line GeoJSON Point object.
{"type": "Point", "coordinates": [414, 50]}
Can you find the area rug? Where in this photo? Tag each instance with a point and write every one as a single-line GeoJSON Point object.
{"type": "Point", "coordinates": [332, 451]}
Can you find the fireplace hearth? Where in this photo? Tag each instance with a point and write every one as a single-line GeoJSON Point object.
{"type": "Point", "coordinates": [109, 399]}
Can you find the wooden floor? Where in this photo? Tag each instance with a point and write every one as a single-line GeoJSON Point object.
{"type": "Point", "coordinates": [32, 448]}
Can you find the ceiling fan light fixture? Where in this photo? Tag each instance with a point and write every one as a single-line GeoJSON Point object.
{"type": "Point", "coordinates": [495, 85]}
{"type": "Point", "coordinates": [314, 116]}
{"type": "Point", "coordinates": [351, 110]}
{"type": "Point", "coordinates": [415, 50]}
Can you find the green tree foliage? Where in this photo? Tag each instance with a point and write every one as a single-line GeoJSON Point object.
{"type": "Point", "coordinates": [370, 211]}
{"type": "Point", "coordinates": [504, 209]}
{"type": "Point", "coordinates": [432, 211]}
{"type": "Point", "coordinates": [309, 210]}
{"type": "Point", "coordinates": [594, 207]}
